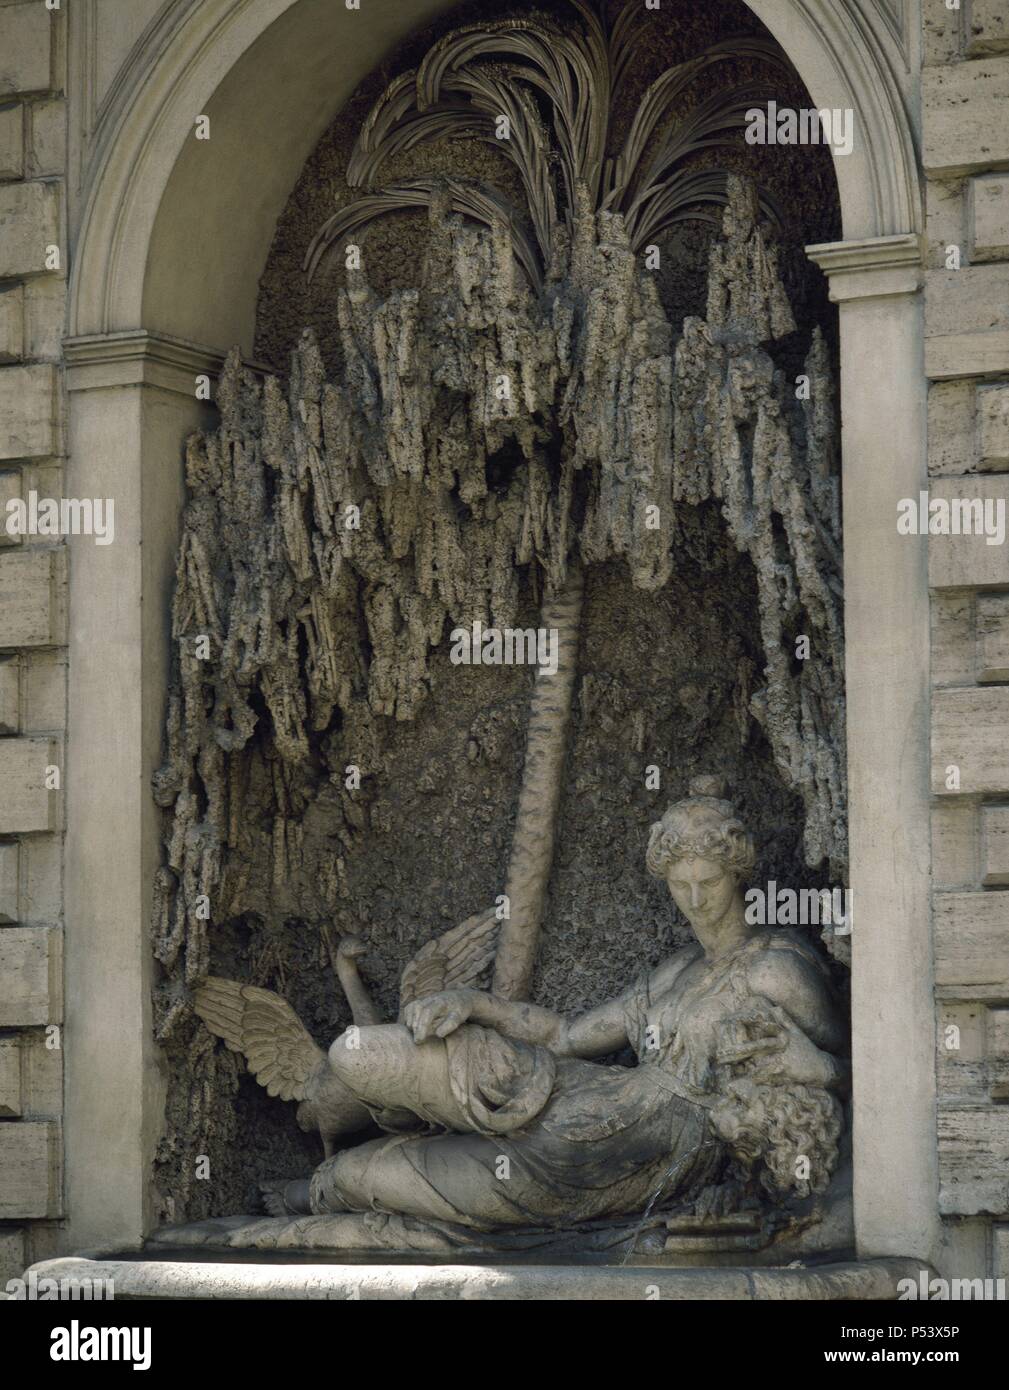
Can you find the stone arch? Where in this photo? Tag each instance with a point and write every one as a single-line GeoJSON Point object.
{"type": "Point", "coordinates": [171, 242]}
{"type": "Point", "coordinates": [263, 71]}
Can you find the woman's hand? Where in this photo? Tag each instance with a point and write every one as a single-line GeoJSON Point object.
{"type": "Point", "coordinates": [437, 1015]}
{"type": "Point", "coordinates": [770, 1048]}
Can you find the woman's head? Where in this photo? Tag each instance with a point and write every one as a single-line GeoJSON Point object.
{"type": "Point", "coordinates": [702, 851]}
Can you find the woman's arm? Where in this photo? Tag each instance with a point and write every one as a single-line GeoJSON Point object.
{"type": "Point", "coordinates": [801, 1046]}
{"type": "Point", "coordinates": [795, 985]}
{"type": "Point", "coordinates": [595, 1034]}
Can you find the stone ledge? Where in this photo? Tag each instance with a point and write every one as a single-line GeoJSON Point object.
{"type": "Point", "coordinates": [135, 357]}
{"type": "Point", "coordinates": [184, 1279]}
{"type": "Point", "coordinates": [871, 269]}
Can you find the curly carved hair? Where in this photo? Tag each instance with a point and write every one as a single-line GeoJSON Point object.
{"type": "Point", "coordinates": [702, 826]}
{"type": "Point", "coordinates": [775, 1126]}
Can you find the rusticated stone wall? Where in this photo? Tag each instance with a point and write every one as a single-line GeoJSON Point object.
{"type": "Point", "coordinates": [965, 141]}
{"type": "Point", "coordinates": [32, 630]}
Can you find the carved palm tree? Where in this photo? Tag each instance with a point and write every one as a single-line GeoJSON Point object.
{"type": "Point", "coordinates": [490, 81]}
{"type": "Point", "coordinates": [486, 81]}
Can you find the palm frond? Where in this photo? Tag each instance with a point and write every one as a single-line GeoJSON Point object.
{"type": "Point", "coordinates": [711, 124]}
{"type": "Point", "coordinates": [659, 102]}
{"type": "Point", "coordinates": [479, 202]}
{"type": "Point", "coordinates": [520, 68]}
{"type": "Point", "coordinates": [685, 198]}
{"type": "Point", "coordinates": [570, 69]}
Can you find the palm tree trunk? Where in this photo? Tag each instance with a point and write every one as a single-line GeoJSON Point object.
{"type": "Point", "coordinates": [536, 821]}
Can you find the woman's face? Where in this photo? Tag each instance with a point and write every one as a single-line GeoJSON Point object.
{"type": "Point", "coordinates": [702, 889]}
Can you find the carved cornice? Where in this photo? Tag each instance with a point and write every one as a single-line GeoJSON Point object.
{"type": "Point", "coordinates": [137, 358]}
{"type": "Point", "coordinates": [872, 268]}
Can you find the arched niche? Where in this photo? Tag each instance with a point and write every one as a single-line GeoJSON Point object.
{"type": "Point", "coordinates": [166, 261]}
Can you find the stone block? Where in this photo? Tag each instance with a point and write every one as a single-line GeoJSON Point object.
{"type": "Point", "coordinates": [41, 879]}
{"type": "Point", "coordinates": [995, 845]}
{"type": "Point", "coordinates": [42, 1072]}
{"type": "Point", "coordinates": [1000, 1253]}
{"type": "Point", "coordinates": [30, 977]}
{"type": "Point", "coordinates": [13, 1254]}
{"type": "Point", "coordinates": [997, 1053]}
{"type": "Point", "coordinates": [969, 734]}
{"type": "Point", "coordinates": [953, 639]}
{"type": "Point", "coordinates": [29, 1170]}
{"type": "Point", "coordinates": [974, 299]}
{"type": "Point", "coordinates": [986, 26]}
{"type": "Point", "coordinates": [961, 1071]}
{"type": "Point", "coordinates": [988, 217]}
{"type": "Point", "coordinates": [963, 116]}
{"type": "Point", "coordinates": [10, 488]}
{"type": "Point", "coordinates": [973, 1178]}
{"type": "Point", "coordinates": [993, 637]}
{"type": "Point", "coordinates": [941, 42]}
{"type": "Point", "coordinates": [30, 613]}
{"type": "Point", "coordinates": [31, 1075]}
{"type": "Point", "coordinates": [9, 882]}
{"type": "Point", "coordinates": [45, 310]}
{"type": "Point", "coordinates": [971, 940]}
{"type": "Point", "coordinates": [966, 321]}
{"type": "Point", "coordinates": [969, 561]}
{"type": "Point", "coordinates": [28, 806]}
{"type": "Point", "coordinates": [29, 223]}
{"type": "Point", "coordinates": [28, 412]}
{"type": "Point", "coordinates": [954, 844]}
{"type": "Point", "coordinates": [12, 140]}
{"type": "Point", "coordinates": [10, 1078]}
{"type": "Point", "coordinates": [945, 220]}
{"type": "Point", "coordinates": [44, 686]}
{"type": "Point", "coordinates": [10, 695]}
{"type": "Point", "coordinates": [993, 427]}
{"type": "Point", "coordinates": [26, 41]}
{"type": "Point", "coordinates": [951, 426]}
{"type": "Point", "coordinates": [12, 323]}
{"type": "Point", "coordinates": [46, 145]}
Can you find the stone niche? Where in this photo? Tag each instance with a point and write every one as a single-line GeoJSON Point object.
{"type": "Point", "coordinates": [459, 419]}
